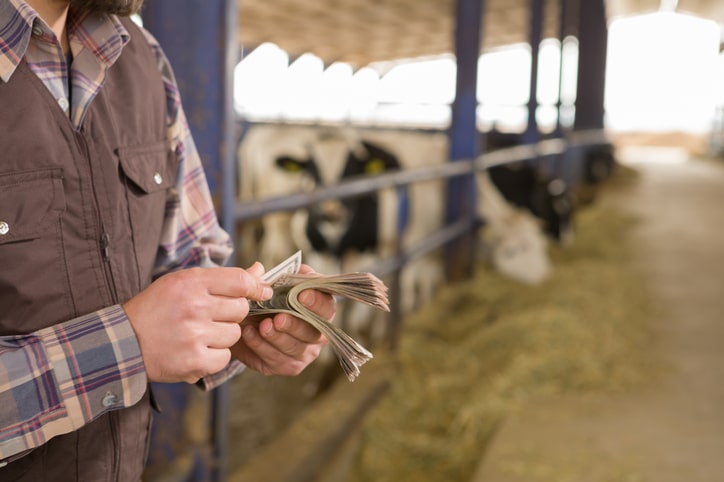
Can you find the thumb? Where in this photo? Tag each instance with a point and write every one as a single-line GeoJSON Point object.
{"type": "Point", "coordinates": [256, 269]}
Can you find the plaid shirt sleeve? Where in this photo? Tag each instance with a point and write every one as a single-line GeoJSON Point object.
{"type": "Point", "coordinates": [191, 235]}
{"type": "Point", "coordinates": [58, 379]}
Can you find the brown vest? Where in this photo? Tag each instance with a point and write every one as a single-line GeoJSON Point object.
{"type": "Point", "coordinates": [83, 211]}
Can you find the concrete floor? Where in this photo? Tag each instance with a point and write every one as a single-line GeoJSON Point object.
{"type": "Point", "coordinates": [671, 429]}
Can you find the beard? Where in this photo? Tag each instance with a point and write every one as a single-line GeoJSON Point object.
{"type": "Point", "coordinates": [115, 7]}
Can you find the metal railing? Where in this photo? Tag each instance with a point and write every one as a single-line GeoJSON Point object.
{"type": "Point", "coordinates": [399, 179]}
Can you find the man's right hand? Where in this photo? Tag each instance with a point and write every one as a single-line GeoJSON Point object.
{"type": "Point", "coordinates": [186, 321]}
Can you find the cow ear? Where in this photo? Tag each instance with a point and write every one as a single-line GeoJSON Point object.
{"type": "Point", "coordinates": [289, 164]}
{"type": "Point", "coordinates": [374, 166]}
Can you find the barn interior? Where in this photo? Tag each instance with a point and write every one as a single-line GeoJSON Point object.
{"type": "Point", "coordinates": [562, 413]}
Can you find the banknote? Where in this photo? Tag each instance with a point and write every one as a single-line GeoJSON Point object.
{"type": "Point", "coordinates": [288, 283]}
{"type": "Point", "coordinates": [289, 266]}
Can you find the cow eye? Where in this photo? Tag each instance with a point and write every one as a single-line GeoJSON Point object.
{"type": "Point", "coordinates": [290, 165]}
{"type": "Point", "coordinates": [374, 166]}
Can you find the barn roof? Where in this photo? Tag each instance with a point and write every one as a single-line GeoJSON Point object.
{"type": "Point", "coordinates": [361, 32]}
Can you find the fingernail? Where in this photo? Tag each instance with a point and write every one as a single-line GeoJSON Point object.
{"type": "Point", "coordinates": [247, 332]}
{"type": "Point", "coordinates": [307, 298]}
{"type": "Point", "coordinates": [282, 323]}
{"type": "Point", "coordinates": [266, 292]}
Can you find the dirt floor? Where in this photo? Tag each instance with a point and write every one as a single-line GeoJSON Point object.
{"type": "Point", "coordinates": [671, 428]}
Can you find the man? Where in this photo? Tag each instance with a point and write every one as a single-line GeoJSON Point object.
{"type": "Point", "coordinates": [103, 206]}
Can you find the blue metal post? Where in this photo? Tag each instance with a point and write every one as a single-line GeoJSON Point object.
{"type": "Point", "coordinates": [592, 47]}
{"type": "Point", "coordinates": [562, 32]}
{"type": "Point", "coordinates": [199, 38]}
{"type": "Point", "coordinates": [464, 139]}
{"type": "Point", "coordinates": [531, 135]}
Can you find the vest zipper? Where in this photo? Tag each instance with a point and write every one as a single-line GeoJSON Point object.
{"type": "Point", "coordinates": [106, 255]}
{"type": "Point", "coordinates": [105, 238]}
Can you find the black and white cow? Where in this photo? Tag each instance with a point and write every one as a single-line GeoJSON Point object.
{"type": "Point", "coordinates": [525, 184]}
{"type": "Point", "coordinates": [549, 199]}
{"type": "Point", "coordinates": [425, 208]}
{"type": "Point", "coordinates": [276, 160]}
{"type": "Point", "coordinates": [512, 238]}
{"type": "Point", "coordinates": [338, 228]}
{"type": "Point", "coordinates": [337, 235]}
{"type": "Point", "coordinates": [513, 241]}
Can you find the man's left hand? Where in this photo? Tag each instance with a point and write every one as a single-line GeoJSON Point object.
{"type": "Point", "coordinates": [284, 344]}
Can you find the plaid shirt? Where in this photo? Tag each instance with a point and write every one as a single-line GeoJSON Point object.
{"type": "Point", "coordinates": [47, 377]}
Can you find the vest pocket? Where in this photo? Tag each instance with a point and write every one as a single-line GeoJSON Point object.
{"type": "Point", "coordinates": [30, 203]}
{"type": "Point", "coordinates": [150, 170]}
{"type": "Point", "coordinates": [34, 290]}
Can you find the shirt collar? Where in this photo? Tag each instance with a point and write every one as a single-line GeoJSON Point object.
{"type": "Point", "coordinates": [16, 26]}
{"type": "Point", "coordinates": [16, 23]}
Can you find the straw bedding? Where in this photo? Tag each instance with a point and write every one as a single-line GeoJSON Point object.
{"type": "Point", "coordinates": [484, 346]}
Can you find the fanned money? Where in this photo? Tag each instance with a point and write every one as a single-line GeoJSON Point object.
{"type": "Point", "coordinates": [288, 283]}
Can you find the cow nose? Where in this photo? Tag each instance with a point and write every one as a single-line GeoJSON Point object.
{"type": "Point", "coordinates": [332, 212]}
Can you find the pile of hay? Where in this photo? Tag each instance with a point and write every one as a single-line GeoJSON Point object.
{"type": "Point", "coordinates": [484, 346]}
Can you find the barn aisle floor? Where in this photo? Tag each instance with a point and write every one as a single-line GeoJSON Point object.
{"type": "Point", "coordinates": [671, 429]}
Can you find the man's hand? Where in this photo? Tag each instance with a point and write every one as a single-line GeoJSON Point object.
{"type": "Point", "coordinates": [284, 344]}
{"type": "Point", "coordinates": [187, 321]}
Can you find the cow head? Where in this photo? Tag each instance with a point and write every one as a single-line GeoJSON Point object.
{"type": "Point", "coordinates": [337, 227]}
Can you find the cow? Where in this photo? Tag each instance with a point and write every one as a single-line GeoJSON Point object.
{"type": "Point", "coordinates": [528, 185]}
{"type": "Point", "coordinates": [425, 213]}
{"type": "Point", "coordinates": [512, 238]}
{"type": "Point", "coordinates": [353, 232]}
{"type": "Point", "coordinates": [271, 163]}
{"type": "Point", "coordinates": [337, 235]}
{"type": "Point", "coordinates": [547, 198]}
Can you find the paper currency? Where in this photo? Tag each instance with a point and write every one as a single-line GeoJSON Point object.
{"type": "Point", "coordinates": [362, 287]}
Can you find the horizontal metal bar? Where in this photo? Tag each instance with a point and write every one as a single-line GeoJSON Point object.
{"type": "Point", "coordinates": [357, 187]}
{"type": "Point", "coordinates": [550, 147]}
{"type": "Point", "coordinates": [351, 188]}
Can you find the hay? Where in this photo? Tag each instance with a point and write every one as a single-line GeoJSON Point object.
{"type": "Point", "coordinates": [484, 346]}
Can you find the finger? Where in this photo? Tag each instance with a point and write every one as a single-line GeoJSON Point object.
{"type": "Point", "coordinates": [256, 269]}
{"type": "Point", "coordinates": [230, 309]}
{"type": "Point", "coordinates": [234, 282]}
{"type": "Point", "coordinates": [267, 354]}
{"type": "Point", "coordinates": [322, 304]}
{"type": "Point", "coordinates": [242, 352]}
{"type": "Point", "coordinates": [216, 360]}
{"type": "Point", "coordinates": [223, 334]}
{"type": "Point", "coordinates": [296, 328]}
{"type": "Point", "coordinates": [279, 345]}
{"type": "Point", "coordinates": [306, 269]}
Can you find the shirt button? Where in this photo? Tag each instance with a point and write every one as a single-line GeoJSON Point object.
{"type": "Point", "coordinates": [157, 178]}
{"type": "Point", "coordinates": [110, 399]}
{"type": "Point", "coordinates": [37, 30]}
{"type": "Point", "coordinates": [4, 228]}
{"type": "Point", "coordinates": [63, 103]}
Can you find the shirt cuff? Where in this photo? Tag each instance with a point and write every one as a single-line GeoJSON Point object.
{"type": "Point", "coordinates": [97, 364]}
{"type": "Point", "coordinates": [210, 382]}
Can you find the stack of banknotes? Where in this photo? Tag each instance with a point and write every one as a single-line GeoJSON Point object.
{"type": "Point", "coordinates": [361, 287]}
